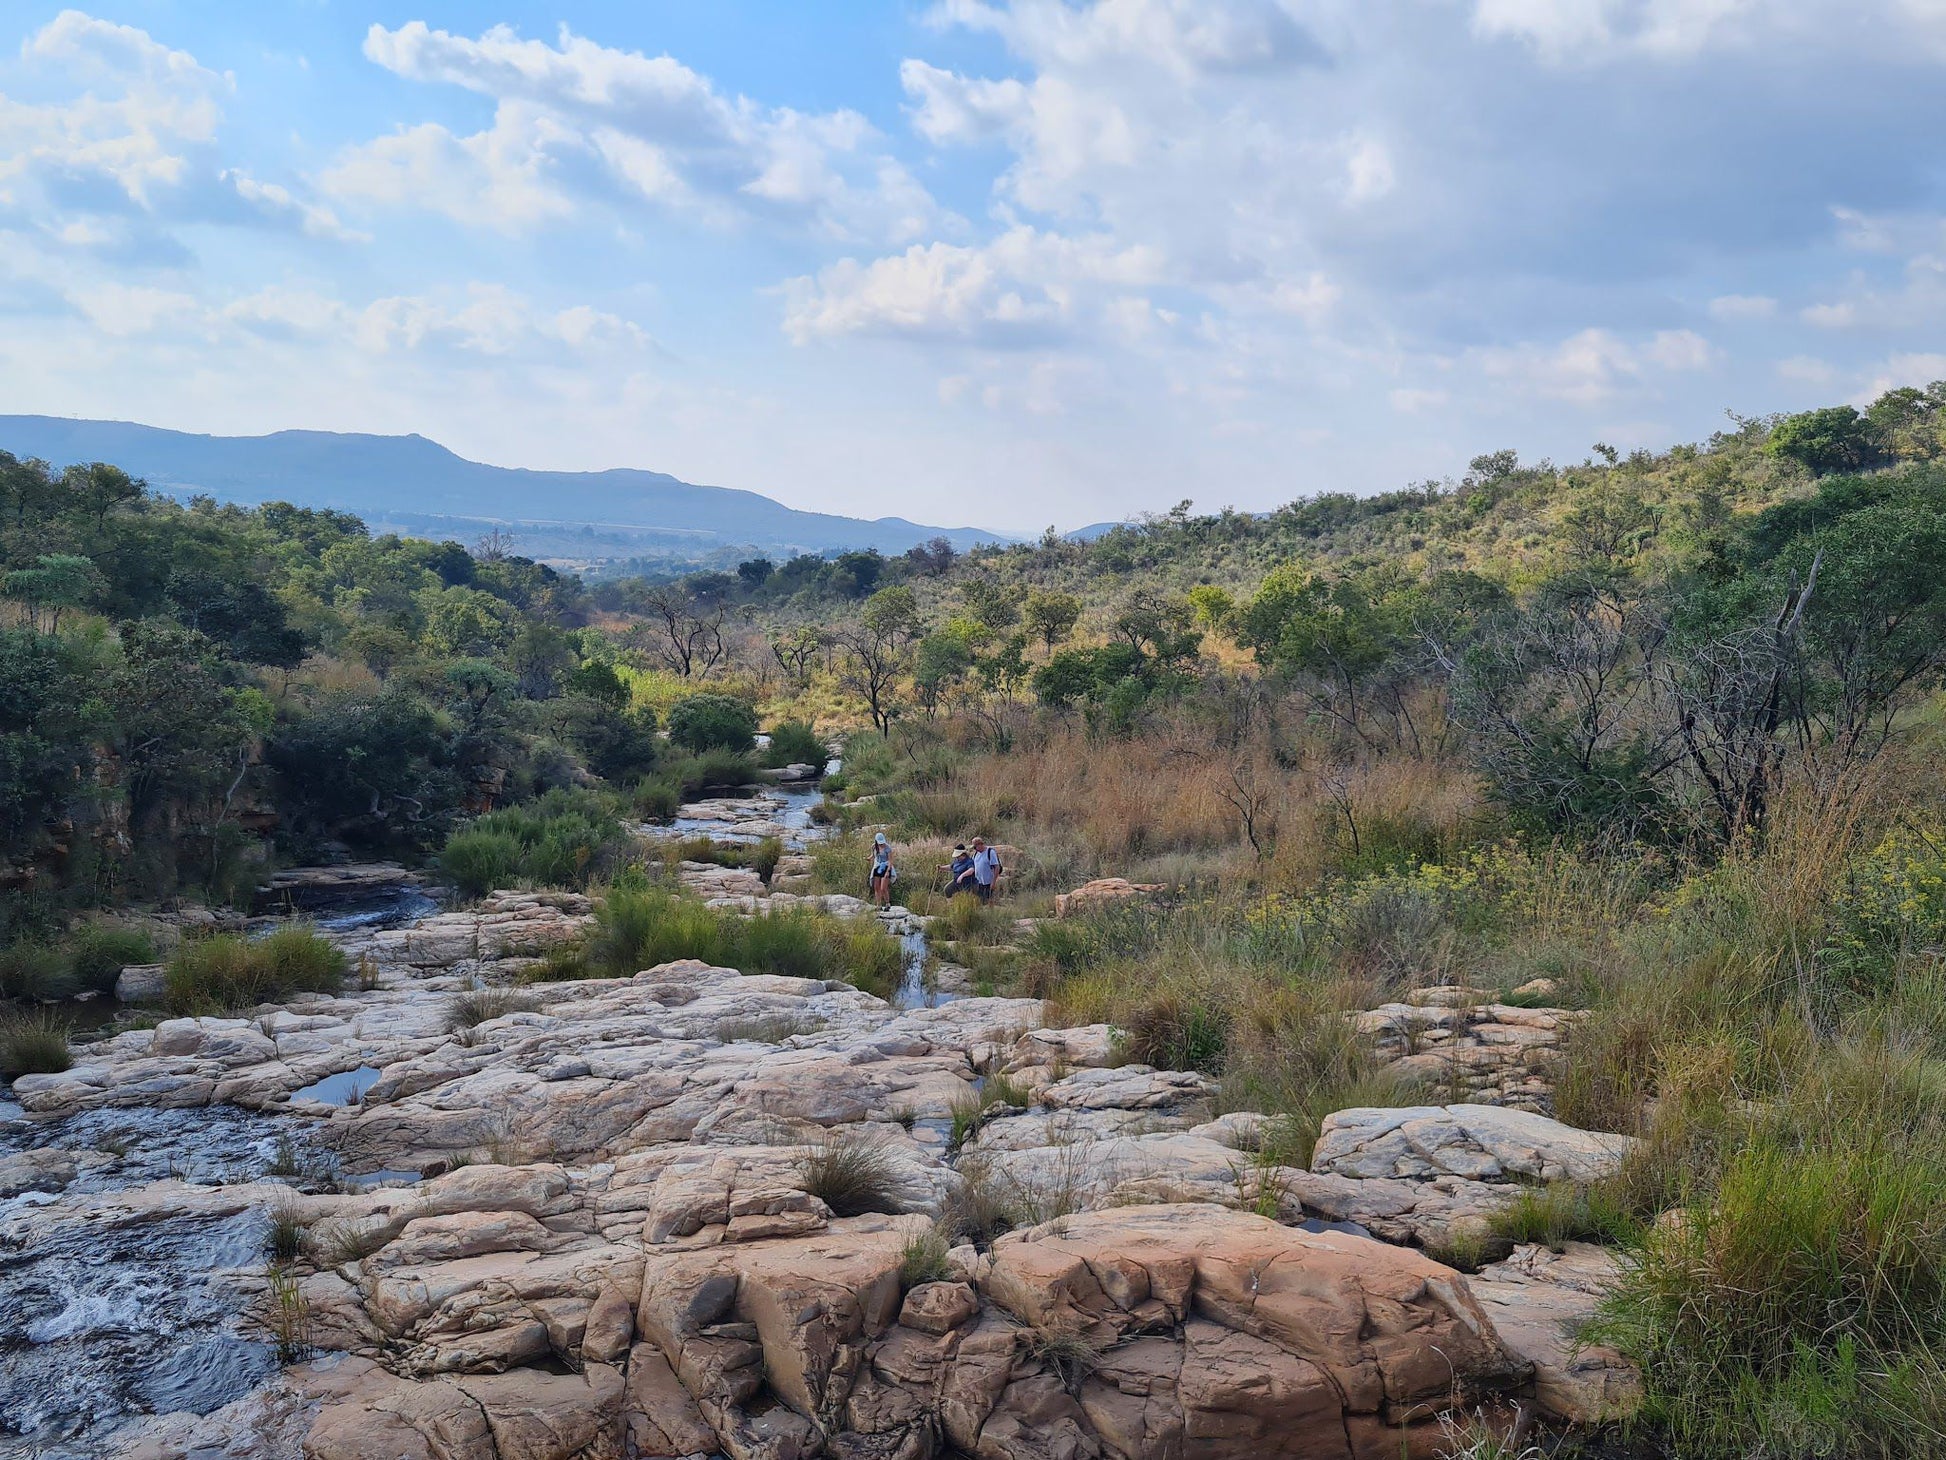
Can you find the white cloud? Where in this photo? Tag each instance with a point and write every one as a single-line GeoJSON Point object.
{"type": "Point", "coordinates": [577, 122]}
{"type": "Point", "coordinates": [1595, 30]}
{"type": "Point", "coordinates": [1023, 285]}
{"type": "Point", "coordinates": [1368, 170]}
{"type": "Point", "coordinates": [1182, 36]}
{"type": "Point", "coordinates": [1735, 307]}
{"type": "Point", "coordinates": [145, 107]}
{"type": "Point", "coordinates": [1594, 365]}
{"type": "Point", "coordinates": [1835, 316]}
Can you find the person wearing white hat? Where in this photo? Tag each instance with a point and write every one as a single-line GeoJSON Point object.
{"type": "Point", "coordinates": [884, 874]}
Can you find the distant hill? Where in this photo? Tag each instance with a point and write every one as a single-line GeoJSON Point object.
{"type": "Point", "coordinates": [414, 485]}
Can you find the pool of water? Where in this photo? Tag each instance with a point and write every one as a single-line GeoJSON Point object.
{"type": "Point", "coordinates": [345, 1088]}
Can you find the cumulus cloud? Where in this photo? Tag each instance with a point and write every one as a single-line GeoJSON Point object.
{"type": "Point", "coordinates": [577, 122]}
{"type": "Point", "coordinates": [1023, 286]}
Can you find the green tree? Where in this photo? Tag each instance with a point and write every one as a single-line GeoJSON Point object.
{"type": "Point", "coordinates": [1051, 615]}
{"type": "Point", "coordinates": [878, 651]}
{"type": "Point", "coordinates": [713, 722]}
{"type": "Point", "coordinates": [56, 582]}
{"type": "Point", "coordinates": [1831, 439]}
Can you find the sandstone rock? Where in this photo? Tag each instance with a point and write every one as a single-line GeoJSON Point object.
{"type": "Point", "coordinates": [1478, 1142]}
{"type": "Point", "coordinates": [1101, 891]}
{"type": "Point", "coordinates": [1537, 1298]}
{"type": "Point", "coordinates": [37, 1170]}
{"type": "Point", "coordinates": [938, 1308]}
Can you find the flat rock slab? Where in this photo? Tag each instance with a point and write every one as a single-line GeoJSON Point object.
{"type": "Point", "coordinates": [1476, 1142]}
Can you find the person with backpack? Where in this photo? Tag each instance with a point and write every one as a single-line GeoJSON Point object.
{"type": "Point", "coordinates": [883, 873]}
{"type": "Point", "coordinates": [986, 869]}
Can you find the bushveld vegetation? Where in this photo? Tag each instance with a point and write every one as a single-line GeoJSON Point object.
{"type": "Point", "coordinates": [1662, 729]}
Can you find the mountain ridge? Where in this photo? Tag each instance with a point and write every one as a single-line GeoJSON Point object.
{"type": "Point", "coordinates": [380, 477]}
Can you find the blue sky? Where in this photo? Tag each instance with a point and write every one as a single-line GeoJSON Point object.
{"type": "Point", "coordinates": [1007, 262]}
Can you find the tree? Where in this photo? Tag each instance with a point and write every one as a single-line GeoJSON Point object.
{"type": "Point", "coordinates": [944, 659]}
{"type": "Point", "coordinates": [755, 572]}
{"type": "Point", "coordinates": [682, 631]}
{"type": "Point", "coordinates": [101, 488]}
{"type": "Point", "coordinates": [56, 582]}
{"type": "Point", "coordinates": [1050, 615]}
{"type": "Point", "coordinates": [465, 621]}
{"type": "Point", "coordinates": [992, 604]}
{"type": "Point", "coordinates": [1832, 439]}
{"type": "Point", "coordinates": [1212, 607]}
{"type": "Point", "coordinates": [794, 649]}
{"type": "Point", "coordinates": [878, 651]}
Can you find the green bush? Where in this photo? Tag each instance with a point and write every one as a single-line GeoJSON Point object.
{"type": "Point", "coordinates": [229, 973]}
{"type": "Point", "coordinates": [98, 953]}
{"type": "Point", "coordinates": [33, 1044]}
{"type": "Point", "coordinates": [478, 860]}
{"type": "Point", "coordinates": [33, 970]}
{"type": "Point", "coordinates": [658, 798]}
{"type": "Point", "coordinates": [713, 722]}
{"type": "Point", "coordinates": [794, 742]}
{"type": "Point", "coordinates": [711, 770]}
{"type": "Point", "coordinates": [563, 839]}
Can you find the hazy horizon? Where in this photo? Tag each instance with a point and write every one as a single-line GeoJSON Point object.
{"type": "Point", "coordinates": [997, 263]}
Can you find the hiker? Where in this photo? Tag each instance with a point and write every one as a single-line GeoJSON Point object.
{"type": "Point", "coordinates": [959, 872]}
{"type": "Point", "coordinates": [884, 874]}
{"type": "Point", "coordinates": [986, 869]}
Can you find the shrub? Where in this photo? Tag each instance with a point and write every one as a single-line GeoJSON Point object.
{"type": "Point", "coordinates": [851, 1174]}
{"type": "Point", "coordinates": [715, 769]}
{"type": "Point", "coordinates": [711, 722]}
{"type": "Point", "coordinates": [98, 953]}
{"type": "Point", "coordinates": [638, 928]}
{"type": "Point", "coordinates": [658, 798]}
{"type": "Point", "coordinates": [33, 1043]}
{"type": "Point", "coordinates": [564, 839]}
{"type": "Point", "coordinates": [31, 970]}
{"type": "Point", "coordinates": [793, 742]}
{"type": "Point", "coordinates": [229, 973]}
{"type": "Point", "coordinates": [478, 860]}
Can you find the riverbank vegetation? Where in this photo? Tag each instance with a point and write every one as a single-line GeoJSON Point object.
{"type": "Point", "coordinates": [1655, 737]}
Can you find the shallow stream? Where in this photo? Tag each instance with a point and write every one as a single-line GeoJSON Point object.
{"type": "Point", "coordinates": [110, 1314]}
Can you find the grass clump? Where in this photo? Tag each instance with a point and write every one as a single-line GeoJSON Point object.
{"type": "Point", "coordinates": [1798, 1305]}
{"type": "Point", "coordinates": [466, 1011]}
{"type": "Point", "coordinates": [34, 970]}
{"type": "Point", "coordinates": [33, 1043]}
{"type": "Point", "coordinates": [641, 927]}
{"type": "Point", "coordinates": [229, 973]}
{"type": "Point", "coordinates": [1564, 1212]}
{"type": "Point", "coordinates": [283, 1233]}
{"type": "Point", "coordinates": [564, 839]}
{"type": "Point", "coordinates": [923, 1259]}
{"type": "Point", "coordinates": [794, 742]}
{"type": "Point", "coordinates": [99, 952]}
{"type": "Point", "coordinates": [851, 1174]}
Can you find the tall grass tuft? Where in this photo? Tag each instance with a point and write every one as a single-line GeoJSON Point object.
{"type": "Point", "coordinates": [851, 1174]}
{"type": "Point", "coordinates": [565, 839]}
{"type": "Point", "coordinates": [33, 1043]}
{"type": "Point", "coordinates": [230, 973]}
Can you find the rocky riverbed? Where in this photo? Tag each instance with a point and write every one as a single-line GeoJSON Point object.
{"type": "Point", "coordinates": [609, 1223]}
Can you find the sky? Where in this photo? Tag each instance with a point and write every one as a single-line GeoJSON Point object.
{"type": "Point", "coordinates": [1008, 263]}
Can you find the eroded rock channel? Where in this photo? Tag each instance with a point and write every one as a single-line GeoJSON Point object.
{"type": "Point", "coordinates": [694, 1212]}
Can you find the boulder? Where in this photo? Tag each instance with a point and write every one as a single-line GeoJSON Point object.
{"type": "Point", "coordinates": [1474, 1142]}
{"type": "Point", "coordinates": [1538, 1298]}
{"type": "Point", "coordinates": [1100, 892]}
